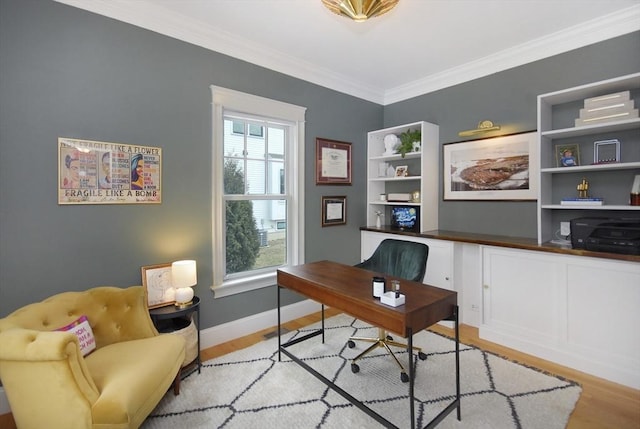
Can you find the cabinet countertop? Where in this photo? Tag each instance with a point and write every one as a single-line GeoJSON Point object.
{"type": "Point", "coordinates": [503, 241]}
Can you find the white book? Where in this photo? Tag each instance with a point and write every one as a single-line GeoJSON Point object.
{"type": "Point", "coordinates": [603, 100]}
{"type": "Point", "coordinates": [582, 202]}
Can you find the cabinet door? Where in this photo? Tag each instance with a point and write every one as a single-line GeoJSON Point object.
{"type": "Point", "coordinates": [523, 294]}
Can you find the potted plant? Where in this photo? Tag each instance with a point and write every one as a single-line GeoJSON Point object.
{"type": "Point", "coordinates": [407, 138]}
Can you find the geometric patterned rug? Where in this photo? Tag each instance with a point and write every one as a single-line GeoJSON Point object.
{"type": "Point", "coordinates": [249, 388]}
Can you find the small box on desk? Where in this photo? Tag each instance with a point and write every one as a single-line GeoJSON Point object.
{"type": "Point", "coordinates": [389, 298]}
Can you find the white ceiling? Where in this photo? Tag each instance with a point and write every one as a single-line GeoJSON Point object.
{"type": "Point", "coordinates": [419, 47]}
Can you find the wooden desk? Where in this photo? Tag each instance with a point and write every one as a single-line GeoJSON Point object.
{"type": "Point", "coordinates": [349, 289]}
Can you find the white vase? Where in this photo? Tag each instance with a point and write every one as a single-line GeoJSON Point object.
{"type": "Point", "coordinates": [378, 225]}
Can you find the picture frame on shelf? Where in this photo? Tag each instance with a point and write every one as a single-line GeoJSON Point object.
{"type": "Point", "coordinates": [402, 171]}
{"type": "Point", "coordinates": [333, 162]}
{"type": "Point", "coordinates": [567, 155]}
{"type": "Point", "coordinates": [492, 169]}
{"type": "Point", "coordinates": [606, 151]}
{"type": "Point", "coordinates": [334, 210]}
{"type": "Point", "coordinates": [158, 288]}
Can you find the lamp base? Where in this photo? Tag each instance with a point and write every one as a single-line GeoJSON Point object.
{"type": "Point", "coordinates": [184, 297]}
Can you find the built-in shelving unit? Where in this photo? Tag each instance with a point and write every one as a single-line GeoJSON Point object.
{"type": "Point", "coordinates": [610, 181]}
{"type": "Point", "coordinates": [422, 174]}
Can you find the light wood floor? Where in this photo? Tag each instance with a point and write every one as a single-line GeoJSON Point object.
{"type": "Point", "coordinates": [602, 404]}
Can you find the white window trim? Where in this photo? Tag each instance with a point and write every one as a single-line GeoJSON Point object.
{"type": "Point", "coordinates": [228, 99]}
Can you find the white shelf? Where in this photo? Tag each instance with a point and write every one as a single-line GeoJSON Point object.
{"type": "Point", "coordinates": [393, 203]}
{"type": "Point", "coordinates": [607, 127]}
{"type": "Point", "coordinates": [423, 167]}
{"type": "Point", "coordinates": [595, 167]}
{"type": "Point", "coordinates": [611, 178]}
{"type": "Point", "coordinates": [395, 179]}
{"type": "Point", "coordinates": [594, 207]}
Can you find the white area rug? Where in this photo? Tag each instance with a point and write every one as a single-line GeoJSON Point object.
{"type": "Point", "coordinates": [251, 389]}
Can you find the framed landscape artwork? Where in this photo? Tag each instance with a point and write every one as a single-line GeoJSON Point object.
{"type": "Point", "coordinates": [498, 168]}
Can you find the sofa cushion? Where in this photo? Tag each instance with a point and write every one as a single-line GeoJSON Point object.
{"type": "Point", "coordinates": [129, 376]}
{"type": "Point", "coordinates": [81, 329]}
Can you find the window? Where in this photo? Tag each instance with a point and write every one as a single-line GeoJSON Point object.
{"type": "Point", "coordinates": [258, 190]}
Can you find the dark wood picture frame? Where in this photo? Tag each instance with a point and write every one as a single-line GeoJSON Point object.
{"type": "Point", "coordinates": [333, 162]}
{"type": "Point", "coordinates": [334, 210]}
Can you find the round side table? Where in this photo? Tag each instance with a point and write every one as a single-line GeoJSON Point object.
{"type": "Point", "coordinates": [171, 312]}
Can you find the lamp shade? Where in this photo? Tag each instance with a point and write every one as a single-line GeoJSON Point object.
{"type": "Point", "coordinates": [183, 274]}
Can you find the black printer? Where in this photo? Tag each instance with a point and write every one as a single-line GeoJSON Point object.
{"type": "Point", "coordinates": [602, 234]}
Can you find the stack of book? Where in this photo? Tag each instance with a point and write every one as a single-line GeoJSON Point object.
{"type": "Point", "coordinates": [607, 108]}
{"type": "Point", "coordinates": [582, 202]}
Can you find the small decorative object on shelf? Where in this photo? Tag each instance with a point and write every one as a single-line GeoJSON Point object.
{"type": "Point", "coordinates": [635, 191]}
{"type": "Point", "coordinates": [415, 197]}
{"type": "Point", "coordinates": [606, 151]}
{"type": "Point", "coordinates": [407, 142]}
{"type": "Point", "coordinates": [402, 171]}
{"type": "Point", "coordinates": [379, 215]}
{"type": "Point", "coordinates": [390, 143]}
{"type": "Point", "coordinates": [583, 189]}
{"type": "Point", "coordinates": [607, 108]}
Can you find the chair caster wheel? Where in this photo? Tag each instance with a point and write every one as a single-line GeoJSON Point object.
{"type": "Point", "coordinates": [355, 368]}
{"type": "Point", "coordinates": [351, 344]}
{"type": "Point", "coordinates": [422, 356]}
{"type": "Point", "coordinates": [404, 377]}
{"type": "Point", "coordinates": [389, 338]}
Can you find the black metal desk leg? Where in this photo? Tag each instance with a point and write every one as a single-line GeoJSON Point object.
{"type": "Point", "coordinates": [455, 316]}
{"type": "Point", "coordinates": [279, 341]}
{"type": "Point", "coordinates": [322, 323]}
{"type": "Point", "coordinates": [411, 380]}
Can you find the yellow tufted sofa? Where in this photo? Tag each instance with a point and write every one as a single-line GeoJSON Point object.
{"type": "Point", "coordinates": [50, 384]}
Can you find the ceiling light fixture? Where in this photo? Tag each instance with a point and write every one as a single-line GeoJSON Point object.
{"type": "Point", "coordinates": [360, 10]}
{"type": "Point", "coordinates": [483, 127]}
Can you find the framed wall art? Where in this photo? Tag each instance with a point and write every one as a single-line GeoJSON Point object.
{"type": "Point", "coordinates": [93, 172]}
{"type": "Point", "coordinates": [156, 280]}
{"type": "Point", "coordinates": [333, 162]}
{"type": "Point", "coordinates": [334, 211]}
{"type": "Point", "coordinates": [498, 168]}
{"type": "Point", "coordinates": [567, 155]}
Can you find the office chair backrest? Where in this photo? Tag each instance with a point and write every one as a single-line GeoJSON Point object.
{"type": "Point", "coordinates": [398, 258]}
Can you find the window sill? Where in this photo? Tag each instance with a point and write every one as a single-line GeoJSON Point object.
{"type": "Point", "coordinates": [245, 284]}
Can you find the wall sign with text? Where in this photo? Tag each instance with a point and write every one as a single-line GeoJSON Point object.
{"type": "Point", "coordinates": [92, 172]}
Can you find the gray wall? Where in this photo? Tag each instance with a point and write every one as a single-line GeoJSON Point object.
{"type": "Point", "coordinates": [509, 99]}
{"type": "Point", "coordinates": [65, 72]}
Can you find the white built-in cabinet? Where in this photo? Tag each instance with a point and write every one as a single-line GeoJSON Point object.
{"type": "Point", "coordinates": [577, 311]}
{"type": "Point", "coordinates": [423, 173]}
{"type": "Point", "coordinates": [557, 112]}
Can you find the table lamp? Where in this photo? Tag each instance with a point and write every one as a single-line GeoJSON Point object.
{"type": "Point", "coordinates": [183, 277]}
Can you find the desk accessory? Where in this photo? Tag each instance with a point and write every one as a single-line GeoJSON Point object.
{"type": "Point", "coordinates": [378, 286]}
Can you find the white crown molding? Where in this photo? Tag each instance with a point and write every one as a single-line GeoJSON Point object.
{"type": "Point", "coordinates": [151, 16]}
{"type": "Point", "coordinates": [609, 26]}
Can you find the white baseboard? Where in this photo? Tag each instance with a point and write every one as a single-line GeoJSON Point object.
{"type": "Point", "coordinates": [4, 402]}
{"type": "Point", "coordinates": [239, 328]}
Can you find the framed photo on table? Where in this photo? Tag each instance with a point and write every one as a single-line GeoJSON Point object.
{"type": "Point", "coordinates": [492, 169]}
{"type": "Point", "coordinates": [334, 211]}
{"type": "Point", "coordinates": [333, 162]}
{"type": "Point", "coordinates": [156, 280]}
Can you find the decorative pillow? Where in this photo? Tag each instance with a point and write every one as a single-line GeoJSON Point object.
{"type": "Point", "coordinates": [81, 329]}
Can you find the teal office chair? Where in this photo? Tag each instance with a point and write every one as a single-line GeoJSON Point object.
{"type": "Point", "coordinates": [404, 259]}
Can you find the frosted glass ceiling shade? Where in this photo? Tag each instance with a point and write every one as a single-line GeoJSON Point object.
{"type": "Point", "coordinates": [360, 10]}
{"type": "Point", "coordinates": [183, 276]}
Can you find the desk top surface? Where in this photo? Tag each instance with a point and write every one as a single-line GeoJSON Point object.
{"type": "Point", "coordinates": [349, 289]}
